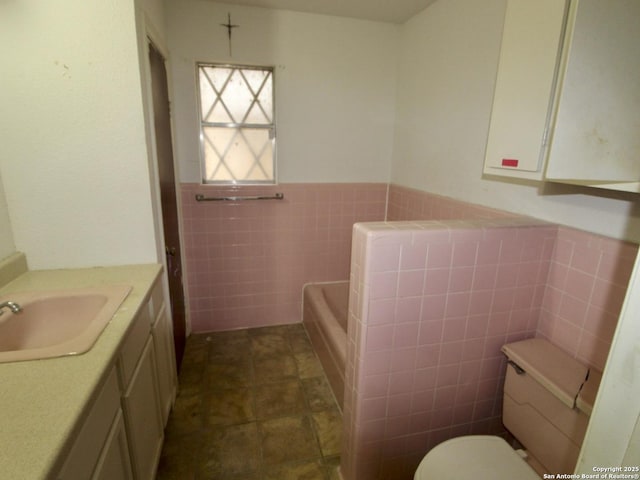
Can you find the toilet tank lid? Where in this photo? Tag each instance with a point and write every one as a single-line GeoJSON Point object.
{"type": "Point", "coordinates": [551, 367]}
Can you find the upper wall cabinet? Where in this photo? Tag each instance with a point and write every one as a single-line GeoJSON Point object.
{"type": "Point", "coordinates": [529, 56]}
{"type": "Point", "coordinates": [585, 131]}
{"type": "Point", "coordinates": [596, 136]}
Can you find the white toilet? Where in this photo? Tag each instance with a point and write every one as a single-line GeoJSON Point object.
{"type": "Point", "coordinates": [548, 397]}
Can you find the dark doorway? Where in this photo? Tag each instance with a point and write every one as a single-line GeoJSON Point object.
{"type": "Point", "coordinates": [166, 178]}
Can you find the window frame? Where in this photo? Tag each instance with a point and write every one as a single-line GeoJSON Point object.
{"type": "Point", "coordinates": [272, 128]}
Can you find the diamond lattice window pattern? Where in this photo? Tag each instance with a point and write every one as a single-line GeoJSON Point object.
{"type": "Point", "coordinates": [237, 128]}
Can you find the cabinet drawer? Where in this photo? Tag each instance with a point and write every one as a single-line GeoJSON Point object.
{"type": "Point", "coordinates": [85, 452]}
{"type": "Point", "coordinates": [133, 345]}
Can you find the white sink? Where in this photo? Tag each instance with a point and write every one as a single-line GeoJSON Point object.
{"type": "Point", "coordinates": [56, 323]}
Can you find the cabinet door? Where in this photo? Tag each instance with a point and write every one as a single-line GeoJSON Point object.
{"type": "Point", "coordinates": [596, 137]}
{"type": "Point", "coordinates": [142, 416]}
{"type": "Point", "coordinates": [167, 378]}
{"type": "Point", "coordinates": [90, 440]}
{"type": "Point", "coordinates": [529, 57]}
{"type": "Point", "coordinates": [114, 463]}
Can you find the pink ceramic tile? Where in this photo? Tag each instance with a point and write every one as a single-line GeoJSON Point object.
{"type": "Point", "coordinates": [408, 309]}
{"type": "Point", "coordinates": [528, 273]}
{"type": "Point", "coordinates": [454, 329]}
{"type": "Point", "coordinates": [433, 307]}
{"type": "Point", "coordinates": [439, 255]}
{"type": "Point", "coordinates": [503, 300]}
{"type": "Point", "coordinates": [466, 393]}
{"type": "Point", "coordinates": [448, 375]}
{"type": "Point", "coordinates": [413, 256]}
{"type": "Point", "coordinates": [451, 353]}
{"type": "Point", "coordinates": [600, 323]}
{"type": "Point", "coordinates": [406, 335]}
{"type": "Point", "coordinates": [488, 253]}
{"type": "Point", "coordinates": [441, 418]}
{"type": "Point", "coordinates": [579, 284]}
{"type": "Point", "coordinates": [566, 336]}
{"type": "Point", "coordinates": [422, 401]}
{"type": "Point", "coordinates": [518, 322]}
{"type": "Point", "coordinates": [464, 254]}
{"type": "Point", "coordinates": [403, 359]}
{"type": "Point", "coordinates": [444, 397]}
{"type": "Point", "coordinates": [396, 427]}
{"type": "Point", "coordinates": [377, 362]}
{"type": "Point", "coordinates": [480, 302]}
{"type": "Point", "coordinates": [457, 304]}
{"type": "Point", "coordinates": [461, 279]}
{"type": "Point", "coordinates": [507, 275]}
{"type": "Point", "coordinates": [573, 310]}
{"type": "Point", "coordinates": [382, 311]}
{"type": "Point", "coordinates": [400, 382]}
{"type": "Point", "coordinates": [524, 297]}
{"type": "Point", "coordinates": [511, 251]}
{"type": "Point", "coordinates": [476, 326]}
{"type": "Point", "coordinates": [586, 259]}
{"type": "Point", "coordinates": [484, 277]}
{"type": "Point", "coordinates": [385, 258]}
{"type": "Point", "coordinates": [383, 285]}
{"type": "Point", "coordinates": [608, 296]}
{"type": "Point", "coordinates": [373, 408]}
{"type": "Point", "coordinates": [410, 283]}
{"type": "Point", "coordinates": [593, 351]}
{"type": "Point", "coordinates": [379, 338]}
{"type": "Point", "coordinates": [437, 281]}
{"type": "Point", "coordinates": [375, 386]}
{"type": "Point", "coordinates": [427, 355]}
{"type": "Point", "coordinates": [399, 405]}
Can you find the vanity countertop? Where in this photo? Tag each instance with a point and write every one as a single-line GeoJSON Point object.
{"type": "Point", "coordinates": [42, 401]}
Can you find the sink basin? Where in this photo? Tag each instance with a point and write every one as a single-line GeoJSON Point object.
{"type": "Point", "coordinates": [57, 323]}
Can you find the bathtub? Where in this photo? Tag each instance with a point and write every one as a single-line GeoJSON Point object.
{"type": "Point", "coordinates": [325, 313]}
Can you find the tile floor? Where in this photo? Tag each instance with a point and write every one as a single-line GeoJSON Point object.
{"type": "Point", "coordinates": [254, 405]}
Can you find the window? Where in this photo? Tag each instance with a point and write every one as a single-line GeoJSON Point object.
{"type": "Point", "coordinates": [237, 127]}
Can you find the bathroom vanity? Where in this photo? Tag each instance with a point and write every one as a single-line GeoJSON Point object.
{"type": "Point", "coordinates": [100, 414]}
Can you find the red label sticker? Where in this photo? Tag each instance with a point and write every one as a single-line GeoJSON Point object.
{"type": "Point", "coordinates": [509, 162]}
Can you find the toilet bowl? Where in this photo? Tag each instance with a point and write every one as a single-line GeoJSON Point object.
{"type": "Point", "coordinates": [477, 457]}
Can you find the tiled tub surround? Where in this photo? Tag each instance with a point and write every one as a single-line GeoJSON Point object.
{"type": "Point", "coordinates": [247, 261]}
{"type": "Point", "coordinates": [431, 304]}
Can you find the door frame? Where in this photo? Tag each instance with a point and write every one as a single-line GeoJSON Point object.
{"type": "Point", "coordinates": [147, 34]}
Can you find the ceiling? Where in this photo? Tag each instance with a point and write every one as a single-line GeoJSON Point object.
{"type": "Point", "coordinates": [394, 11]}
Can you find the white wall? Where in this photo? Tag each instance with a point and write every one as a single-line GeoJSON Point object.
{"type": "Point", "coordinates": [73, 154]}
{"type": "Point", "coordinates": [334, 86]}
{"type": "Point", "coordinates": [446, 74]}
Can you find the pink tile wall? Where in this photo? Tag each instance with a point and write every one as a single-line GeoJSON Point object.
{"type": "Point", "coordinates": [411, 204]}
{"type": "Point", "coordinates": [587, 283]}
{"type": "Point", "coordinates": [246, 262]}
{"type": "Point", "coordinates": [431, 304]}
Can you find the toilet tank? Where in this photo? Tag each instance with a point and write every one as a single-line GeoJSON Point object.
{"type": "Point", "coordinates": [548, 397]}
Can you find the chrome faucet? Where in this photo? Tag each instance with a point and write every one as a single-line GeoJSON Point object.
{"type": "Point", "coordinates": [14, 307]}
